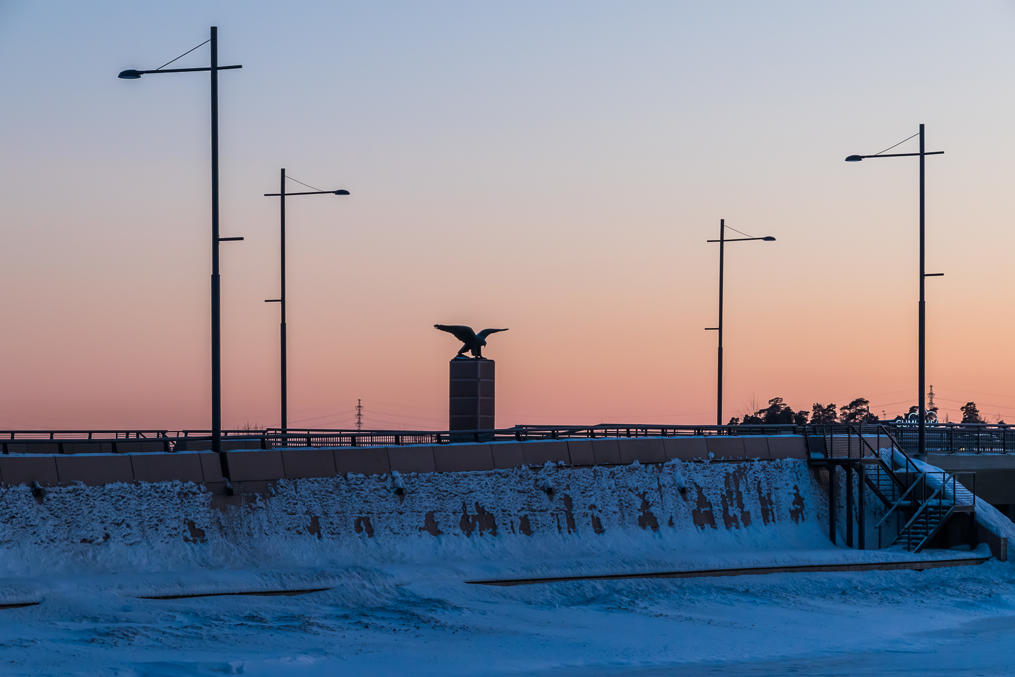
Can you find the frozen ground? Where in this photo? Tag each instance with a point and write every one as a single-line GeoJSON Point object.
{"type": "Point", "coordinates": [397, 602]}
{"type": "Point", "coordinates": [407, 618]}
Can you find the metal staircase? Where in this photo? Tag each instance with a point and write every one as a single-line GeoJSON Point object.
{"type": "Point", "coordinates": [917, 502]}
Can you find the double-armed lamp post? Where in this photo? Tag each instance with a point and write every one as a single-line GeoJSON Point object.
{"type": "Point", "coordinates": [722, 246]}
{"type": "Point", "coordinates": [282, 195]}
{"type": "Point", "coordinates": [216, 343]}
{"type": "Point", "coordinates": [922, 312]}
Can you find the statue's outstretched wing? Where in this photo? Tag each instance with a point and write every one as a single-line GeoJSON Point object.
{"type": "Point", "coordinates": [486, 332]}
{"type": "Point", "coordinates": [460, 331]}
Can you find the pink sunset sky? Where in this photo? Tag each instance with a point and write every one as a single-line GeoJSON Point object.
{"type": "Point", "coordinates": [554, 168]}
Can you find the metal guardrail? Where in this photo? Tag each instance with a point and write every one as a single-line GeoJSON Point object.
{"type": "Point", "coordinates": [961, 438]}
{"type": "Point", "coordinates": [115, 441]}
{"type": "Point", "coordinates": [941, 438]}
{"type": "Point", "coordinates": [521, 433]}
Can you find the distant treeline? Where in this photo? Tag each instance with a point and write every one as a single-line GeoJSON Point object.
{"type": "Point", "coordinates": [857, 411]}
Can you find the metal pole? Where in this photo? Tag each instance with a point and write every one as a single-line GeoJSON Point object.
{"type": "Point", "coordinates": [923, 311]}
{"type": "Point", "coordinates": [285, 417]}
{"type": "Point", "coordinates": [848, 470]}
{"type": "Point", "coordinates": [722, 243]}
{"type": "Point", "coordinates": [216, 347]}
{"type": "Point", "coordinates": [832, 480]}
{"type": "Point", "coordinates": [861, 505]}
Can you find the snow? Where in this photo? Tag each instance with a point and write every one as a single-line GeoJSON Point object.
{"type": "Point", "coordinates": [986, 515]}
{"type": "Point", "coordinates": [398, 602]}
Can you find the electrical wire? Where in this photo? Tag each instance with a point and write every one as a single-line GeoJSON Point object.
{"type": "Point", "coordinates": [739, 231]}
{"type": "Point", "coordinates": [306, 184]}
{"type": "Point", "coordinates": [183, 55]}
{"type": "Point", "coordinates": [898, 144]}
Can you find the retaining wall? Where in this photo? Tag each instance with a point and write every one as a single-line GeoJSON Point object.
{"type": "Point", "coordinates": [618, 509]}
{"type": "Point", "coordinates": [253, 469]}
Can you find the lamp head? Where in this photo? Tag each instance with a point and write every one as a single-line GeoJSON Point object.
{"type": "Point", "coordinates": [130, 74]}
{"type": "Point", "coordinates": [854, 158]}
{"type": "Point", "coordinates": [341, 192]}
{"type": "Point", "coordinates": [768, 238]}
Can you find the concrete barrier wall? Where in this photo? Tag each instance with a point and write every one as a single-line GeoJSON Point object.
{"type": "Point", "coordinates": [674, 507]}
{"type": "Point", "coordinates": [252, 469]}
{"type": "Point", "coordinates": [995, 474]}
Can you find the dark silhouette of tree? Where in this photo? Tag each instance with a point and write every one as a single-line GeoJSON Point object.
{"type": "Point", "coordinates": [970, 414]}
{"type": "Point", "coordinates": [824, 414]}
{"type": "Point", "coordinates": [777, 411]}
{"type": "Point", "coordinates": [857, 411]}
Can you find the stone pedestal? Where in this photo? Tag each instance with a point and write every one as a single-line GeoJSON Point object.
{"type": "Point", "coordinates": [471, 391]}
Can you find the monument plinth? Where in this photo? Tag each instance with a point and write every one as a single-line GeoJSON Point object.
{"type": "Point", "coordinates": [471, 394]}
{"type": "Point", "coordinates": [471, 386]}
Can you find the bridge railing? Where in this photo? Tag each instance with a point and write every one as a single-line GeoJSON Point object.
{"type": "Point", "coordinates": [962, 438]}
{"type": "Point", "coordinates": [941, 438]}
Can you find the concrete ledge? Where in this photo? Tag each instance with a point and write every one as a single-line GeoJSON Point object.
{"type": "Point", "coordinates": [411, 459]}
{"type": "Point", "coordinates": [606, 452]}
{"type": "Point", "coordinates": [211, 466]}
{"type": "Point", "coordinates": [756, 447]}
{"type": "Point", "coordinates": [151, 467]}
{"type": "Point", "coordinates": [789, 446]}
{"type": "Point", "coordinates": [32, 447]}
{"type": "Point", "coordinates": [298, 463]}
{"type": "Point", "coordinates": [725, 447]}
{"type": "Point", "coordinates": [255, 466]}
{"type": "Point", "coordinates": [580, 452]}
{"type": "Point", "coordinates": [462, 457]}
{"type": "Point", "coordinates": [361, 461]}
{"type": "Point", "coordinates": [87, 447]}
{"type": "Point", "coordinates": [94, 470]}
{"type": "Point", "coordinates": [972, 461]}
{"type": "Point", "coordinates": [643, 450]}
{"type": "Point", "coordinates": [538, 453]}
{"type": "Point", "coordinates": [685, 448]}
{"type": "Point", "coordinates": [25, 470]}
{"type": "Point", "coordinates": [141, 446]}
{"type": "Point", "coordinates": [241, 445]}
{"type": "Point", "coordinates": [507, 454]}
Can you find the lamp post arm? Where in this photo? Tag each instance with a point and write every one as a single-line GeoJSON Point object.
{"type": "Point", "coordinates": [853, 158]}
{"type": "Point", "coordinates": [767, 238]}
{"type": "Point", "coordinates": [204, 69]}
{"type": "Point", "coordinates": [309, 192]}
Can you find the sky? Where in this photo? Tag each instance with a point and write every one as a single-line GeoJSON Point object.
{"type": "Point", "coordinates": [554, 168]}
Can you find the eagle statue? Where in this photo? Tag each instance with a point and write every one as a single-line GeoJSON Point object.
{"type": "Point", "coordinates": [472, 341]}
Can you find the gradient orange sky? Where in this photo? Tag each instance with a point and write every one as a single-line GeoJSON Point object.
{"type": "Point", "coordinates": [554, 168]}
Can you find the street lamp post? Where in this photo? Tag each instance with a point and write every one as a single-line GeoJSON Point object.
{"type": "Point", "coordinates": [281, 195]}
{"type": "Point", "coordinates": [216, 343]}
{"type": "Point", "coordinates": [722, 251]}
{"type": "Point", "coordinates": [922, 305]}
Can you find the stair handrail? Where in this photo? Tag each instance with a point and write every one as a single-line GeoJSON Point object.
{"type": "Point", "coordinates": [933, 532]}
{"type": "Point", "coordinates": [920, 510]}
{"type": "Point", "coordinates": [898, 503]}
{"type": "Point", "coordinates": [875, 453]}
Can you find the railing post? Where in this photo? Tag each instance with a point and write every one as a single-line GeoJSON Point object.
{"type": "Point", "coordinates": [847, 468]}
{"type": "Point", "coordinates": [832, 480]}
{"type": "Point", "coordinates": [861, 507]}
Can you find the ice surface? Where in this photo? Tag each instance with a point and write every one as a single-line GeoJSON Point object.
{"type": "Point", "coordinates": [398, 603]}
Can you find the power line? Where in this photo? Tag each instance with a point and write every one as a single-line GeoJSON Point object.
{"type": "Point", "coordinates": [183, 55]}
{"type": "Point", "coordinates": [898, 144]}
{"type": "Point", "coordinates": [305, 184]}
